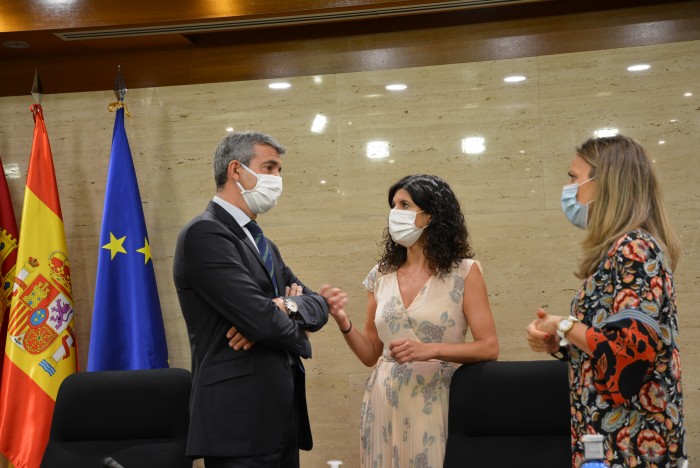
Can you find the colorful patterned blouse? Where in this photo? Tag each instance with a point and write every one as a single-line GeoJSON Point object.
{"type": "Point", "coordinates": [630, 390]}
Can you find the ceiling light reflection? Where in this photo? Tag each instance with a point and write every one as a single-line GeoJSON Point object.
{"type": "Point", "coordinates": [514, 79]}
{"type": "Point", "coordinates": [279, 85]}
{"type": "Point", "coordinates": [473, 145]}
{"type": "Point", "coordinates": [605, 132]}
{"type": "Point", "coordinates": [319, 123]}
{"type": "Point", "coordinates": [688, 94]}
{"type": "Point", "coordinates": [639, 67]}
{"type": "Point", "coordinates": [396, 87]}
{"type": "Point", "coordinates": [12, 171]}
{"type": "Point", "coordinates": [377, 149]}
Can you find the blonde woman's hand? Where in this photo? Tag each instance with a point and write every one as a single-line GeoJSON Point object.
{"type": "Point", "coordinates": [541, 333]}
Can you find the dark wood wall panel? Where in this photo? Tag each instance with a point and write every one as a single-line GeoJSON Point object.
{"type": "Point", "coordinates": [33, 15]}
{"type": "Point", "coordinates": [343, 47]}
{"type": "Point", "coordinates": [299, 55]}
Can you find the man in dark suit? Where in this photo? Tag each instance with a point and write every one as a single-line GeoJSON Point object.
{"type": "Point", "coordinates": [248, 403]}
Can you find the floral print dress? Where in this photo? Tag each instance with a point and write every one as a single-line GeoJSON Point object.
{"type": "Point", "coordinates": [404, 409]}
{"type": "Point", "coordinates": [630, 390]}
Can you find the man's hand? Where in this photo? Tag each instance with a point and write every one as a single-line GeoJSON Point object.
{"type": "Point", "coordinates": [294, 290]}
{"type": "Point", "coordinates": [238, 341]}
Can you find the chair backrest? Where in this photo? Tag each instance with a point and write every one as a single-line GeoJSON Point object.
{"type": "Point", "coordinates": [509, 414]}
{"type": "Point", "coordinates": [139, 418]}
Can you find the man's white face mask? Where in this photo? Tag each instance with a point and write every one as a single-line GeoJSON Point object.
{"type": "Point", "coordinates": [263, 197]}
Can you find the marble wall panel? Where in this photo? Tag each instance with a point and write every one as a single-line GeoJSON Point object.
{"type": "Point", "coordinates": [334, 208]}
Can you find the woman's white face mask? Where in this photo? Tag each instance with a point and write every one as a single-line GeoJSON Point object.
{"type": "Point", "coordinates": [402, 227]}
{"type": "Point", "coordinates": [263, 197]}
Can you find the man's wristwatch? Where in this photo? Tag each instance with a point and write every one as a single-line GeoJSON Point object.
{"type": "Point", "coordinates": [565, 325]}
{"type": "Point", "coordinates": [291, 306]}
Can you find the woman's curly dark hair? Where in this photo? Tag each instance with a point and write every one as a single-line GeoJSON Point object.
{"type": "Point", "coordinates": [444, 240]}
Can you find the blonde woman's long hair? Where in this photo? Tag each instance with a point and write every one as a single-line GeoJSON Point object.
{"type": "Point", "coordinates": [627, 197]}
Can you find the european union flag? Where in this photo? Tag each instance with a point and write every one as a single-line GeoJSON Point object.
{"type": "Point", "coordinates": [127, 322]}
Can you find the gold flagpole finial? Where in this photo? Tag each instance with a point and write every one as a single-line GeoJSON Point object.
{"type": "Point", "coordinates": [119, 92]}
{"type": "Point", "coordinates": [37, 90]}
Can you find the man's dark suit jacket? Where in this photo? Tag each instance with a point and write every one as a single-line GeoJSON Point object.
{"type": "Point", "coordinates": [241, 401]}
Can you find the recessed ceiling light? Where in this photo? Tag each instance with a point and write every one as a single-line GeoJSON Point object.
{"type": "Point", "coordinates": [396, 87]}
{"type": "Point", "coordinates": [279, 85]}
{"type": "Point", "coordinates": [16, 45]}
{"type": "Point", "coordinates": [514, 79]}
{"type": "Point", "coordinates": [639, 67]}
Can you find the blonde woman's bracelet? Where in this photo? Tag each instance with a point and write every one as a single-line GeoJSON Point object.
{"type": "Point", "coordinates": [345, 332]}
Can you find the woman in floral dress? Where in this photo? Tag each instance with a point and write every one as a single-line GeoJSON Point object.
{"type": "Point", "coordinates": [622, 336]}
{"type": "Point", "coordinates": [422, 296]}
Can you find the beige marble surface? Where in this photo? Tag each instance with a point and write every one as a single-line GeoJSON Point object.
{"type": "Point", "coordinates": [334, 207]}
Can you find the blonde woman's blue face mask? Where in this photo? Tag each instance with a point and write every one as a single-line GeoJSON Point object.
{"type": "Point", "coordinates": [575, 211]}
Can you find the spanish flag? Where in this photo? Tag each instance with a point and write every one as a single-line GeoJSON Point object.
{"type": "Point", "coordinates": [41, 346]}
{"type": "Point", "coordinates": [9, 234]}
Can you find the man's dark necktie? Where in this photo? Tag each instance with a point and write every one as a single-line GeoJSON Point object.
{"type": "Point", "coordinates": [264, 250]}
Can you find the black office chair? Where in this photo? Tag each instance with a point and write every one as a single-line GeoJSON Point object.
{"type": "Point", "coordinates": [137, 418]}
{"type": "Point", "coordinates": [509, 414]}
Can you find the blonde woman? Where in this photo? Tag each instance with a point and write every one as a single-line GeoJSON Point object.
{"type": "Point", "coordinates": [621, 338]}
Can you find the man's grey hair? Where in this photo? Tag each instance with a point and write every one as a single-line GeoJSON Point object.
{"type": "Point", "coordinates": [239, 146]}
